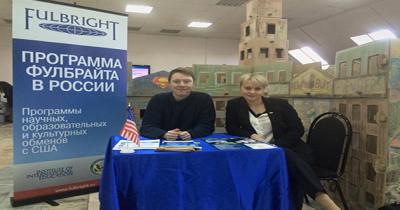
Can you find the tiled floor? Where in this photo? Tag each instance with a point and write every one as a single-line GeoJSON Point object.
{"type": "Point", "coordinates": [83, 202]}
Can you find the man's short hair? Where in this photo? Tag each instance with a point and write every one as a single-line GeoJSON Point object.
{"type": "Point", "coordinates": [184, 71]}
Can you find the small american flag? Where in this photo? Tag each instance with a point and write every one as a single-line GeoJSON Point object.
{"type": "Point", "coordinates": [129, 131]}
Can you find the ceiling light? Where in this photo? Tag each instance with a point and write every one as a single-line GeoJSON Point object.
{"type": "Point", "coordinates": [362, 39]}
{"type": "Point", "coordinates": [325, 67]}
{"type": "Point", "coordinates": [306, 55]}
{"type": "Point", "coordinates": [382, 34]}
{"type": "Point", "coordinates": [314, 56]}
{"type": "Point", "coordinates": [143, 9]}
{"type": "Point", "coordinates": [199, 24]}
{"type": "Point", "coordinates": [300, 56]}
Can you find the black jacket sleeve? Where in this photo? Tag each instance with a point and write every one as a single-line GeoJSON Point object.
{"type": "Point", "coordinates": [233, 123]}
{"type": "Point", "coordinates": [290, 128]}
{"type": "Point", "coordinates": [7, 89]}
{"type": "Point", "coordinates": [152, 120]}
{"type": "Point", "coordinates": [206, 118]}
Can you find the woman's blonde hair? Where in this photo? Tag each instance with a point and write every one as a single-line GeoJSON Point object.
{"type": "Point", "coordinates": [256, 79]}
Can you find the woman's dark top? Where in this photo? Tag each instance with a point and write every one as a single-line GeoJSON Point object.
{"type": "Point", "coordinates": [286, 124]}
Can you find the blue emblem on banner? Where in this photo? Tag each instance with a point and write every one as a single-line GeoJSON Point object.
{"type": "Point", "coordinates": [71, 29]}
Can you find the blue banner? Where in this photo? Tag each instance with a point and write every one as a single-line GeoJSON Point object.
{"type": "Point", "coordinates": [69, 94]}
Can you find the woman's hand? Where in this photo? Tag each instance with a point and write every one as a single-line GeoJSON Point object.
{"type": "Point", "coordinates": [257, 137]}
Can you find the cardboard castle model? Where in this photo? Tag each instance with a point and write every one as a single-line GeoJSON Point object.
{"type": "Point", "coordinates": [264, 34]}
{"type": "Point", "coordinates": [364, 85]}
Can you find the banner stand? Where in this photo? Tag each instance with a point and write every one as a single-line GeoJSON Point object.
{"type": "Point", "coordinates": [69, 76]}
{"type": "Point", "coordinates": [50, 198]}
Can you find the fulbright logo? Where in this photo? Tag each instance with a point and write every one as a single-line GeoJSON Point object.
{"type": "Point", "coordinates": [69, 23]}
{"type": "Point", "coordinates": [71, 29]}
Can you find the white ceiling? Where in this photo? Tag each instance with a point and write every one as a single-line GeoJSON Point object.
{"type": "Point", "coordinates": [324, 25]}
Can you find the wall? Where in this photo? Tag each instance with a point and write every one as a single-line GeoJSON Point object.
{"type": "Point", "coordinates": [5, 54]}
{"type": "Point", "coordinates": [161, 52]}
{"type": "Point", "coordinates": [169, 52]}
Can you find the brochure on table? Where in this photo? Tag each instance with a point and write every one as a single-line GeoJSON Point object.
{"type": "Point", "coordinates": [144, 144]}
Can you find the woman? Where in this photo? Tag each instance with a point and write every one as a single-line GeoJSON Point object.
{"type": "Point", "coordinates": [275, 121]}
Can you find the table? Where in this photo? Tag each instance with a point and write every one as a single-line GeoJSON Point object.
{"type": "Point", "coordinates": [206, 180]}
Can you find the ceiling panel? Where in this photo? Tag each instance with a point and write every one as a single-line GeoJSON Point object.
{"type": "Point", "coordinates": [388, 11]}
{"type": "Point", "coordinates": [325, 25]}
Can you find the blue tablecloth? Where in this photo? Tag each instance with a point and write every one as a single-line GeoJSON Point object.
{"type": "Point", "coordinates": [206, 180]}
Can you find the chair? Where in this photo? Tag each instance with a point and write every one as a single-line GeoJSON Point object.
{"type": "Point", "coordinates": [392, 206]}
{"type": "Point", "coordinates": [330, 136]}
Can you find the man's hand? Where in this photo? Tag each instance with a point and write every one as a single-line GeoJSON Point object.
{"type": "Point", "coordinates": [172, 134]}
{"type": "Point", "coordinates": [184, 135]}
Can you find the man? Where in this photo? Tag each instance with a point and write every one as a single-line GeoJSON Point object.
{"type": "Point", "coordinates": [181, 114]}
{"type": "Point", "coordinates": [7, 89]}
